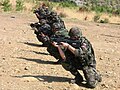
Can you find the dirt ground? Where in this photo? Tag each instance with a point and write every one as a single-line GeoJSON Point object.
{"type": "Point", "coordinates": [24, 65]}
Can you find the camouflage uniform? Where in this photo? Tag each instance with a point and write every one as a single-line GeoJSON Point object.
{"type": "Point", "coordinates": [54, 18]}
{"type": "Point", "coordinates": [42, 12]}
{"type": "Point", "coordinates": [45, 28]}
{"type": "Point", "coordinates": [61, 32]}
{"type": "Point", "coordinates": [42, 28]}
{"type": "Point", "coordinates": [83, 59]}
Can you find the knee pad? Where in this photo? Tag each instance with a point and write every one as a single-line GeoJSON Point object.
{"type": "Point", "coordinates": [92, 84]}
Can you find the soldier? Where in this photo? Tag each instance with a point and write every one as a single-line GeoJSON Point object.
{"type": "Point", "coordinates": [81, 58]}
{"type": "Point", "coordinates": [42, 12]}
{"type": "Point", "coordinates": [54, 18]}
{"type": "Point", "coordinates": [42, 29]}
{"type": "Point", "coordinates": [45, 28]}
{"type": "Point", "coordinates": [57, 31]}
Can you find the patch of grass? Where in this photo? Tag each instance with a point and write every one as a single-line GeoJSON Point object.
{"type": "Point", "coordinates": [6, 5]}
{"type": "Point", "coordinates": [83, 9]}
{"type": "Point", "coordinates": [19, 5]}
{"type": "Point", "coordinates": [68, 4]}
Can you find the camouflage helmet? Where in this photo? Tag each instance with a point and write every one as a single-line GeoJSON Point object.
{"type": "Point", "coordinates": [57, 26]}
{"type": "Point", "coordinates": [75, 31]}
{"type": "Point", "coordinates": [43, 21]}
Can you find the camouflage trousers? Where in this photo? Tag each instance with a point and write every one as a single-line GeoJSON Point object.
{"type": "Point", "coordinates": [90, 74]}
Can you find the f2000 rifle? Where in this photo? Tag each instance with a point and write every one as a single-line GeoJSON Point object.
{"type": "Point", "coordinates": [74, 43]}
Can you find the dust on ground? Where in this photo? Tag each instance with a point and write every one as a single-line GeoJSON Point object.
{"type": "Point", "coordinates": [25, 65]}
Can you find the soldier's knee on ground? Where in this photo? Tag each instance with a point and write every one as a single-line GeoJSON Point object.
{"type": "Point", "coordinates": [92, 84]}
{"type": "Point", "coordinates": [98, 77]}
{"type": "Point", "coordinates": [91, 77]}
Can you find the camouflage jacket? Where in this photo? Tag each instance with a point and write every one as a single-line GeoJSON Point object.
{"type": "Point", "coordinates": [45, 29]}
{"type": "Point", "coordinates": [53, 50]}
{"type": "Point", "coordinates": [84, 55]}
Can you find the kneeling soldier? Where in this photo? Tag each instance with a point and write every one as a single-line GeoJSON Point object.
{"type": "Point", "coordinates": [81, 58]}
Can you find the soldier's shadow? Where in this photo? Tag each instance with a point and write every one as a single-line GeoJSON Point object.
{"type": "Point", "coordinates": [40, 53]}
{"type": "Point", "coordinates": [46, 78]}
{"type": "Point", "coordinates": [50, 79]}
{"type": "Point", "coordinates": [33, 44]}
{"type": "Point", "coordinates": [36, 60]}
{"type": "Point", "coordinates": [36, 52]}
{"type": "Point", "coordinates": [36, 45]}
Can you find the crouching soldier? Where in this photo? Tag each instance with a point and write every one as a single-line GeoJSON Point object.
{"type": "Point", "coordinates": [57, 32]}
{"type": "Point", "coordinates": [80, 58]}
{"type": "Point", "coordinates": [42, 29]}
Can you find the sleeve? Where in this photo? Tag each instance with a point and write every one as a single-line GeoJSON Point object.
{"type": "Point", "coordinates": [82, 51]}
{"type": "Point", "coordinates": [78, 52]}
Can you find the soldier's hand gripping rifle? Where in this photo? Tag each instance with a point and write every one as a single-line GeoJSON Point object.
{"type": "Point", "coordinates": [41, 34]}
{"type": "Point", "coordinates": [74, 43]}
{"type": "Point", "coordinates": [35, 27]}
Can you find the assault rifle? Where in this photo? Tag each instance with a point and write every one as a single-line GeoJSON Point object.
{"type": "Point", "coordinates": [35, 27]}
{"type": "Point", "coordinates": [74, 43]}
{"type": "Point", "coordinates": [41, 29]}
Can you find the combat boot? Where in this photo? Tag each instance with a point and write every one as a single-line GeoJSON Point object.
{"type": "Point", "coordinates": [99, 78]}
{"type": "Point", "coordinates": [93, 81]}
